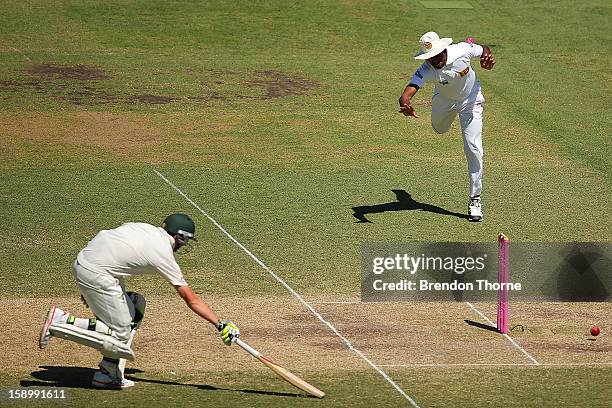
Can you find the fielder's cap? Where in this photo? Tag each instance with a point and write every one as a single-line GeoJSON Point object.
{"type": "Point", "coordinates": [179, 224]}
{"type": "Point", "coordinates": [431, 45]}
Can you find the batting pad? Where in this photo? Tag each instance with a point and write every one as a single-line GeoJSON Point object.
{"type": "Point", "coordinates": [108, 345]}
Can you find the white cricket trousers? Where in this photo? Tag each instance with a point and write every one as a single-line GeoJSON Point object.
{"type": "Point", "coordinates": [107, 299]}
{"type": "Point", "coordinates": [470, 110]}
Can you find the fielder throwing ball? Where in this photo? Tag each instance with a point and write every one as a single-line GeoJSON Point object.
{"type": "Point", "coordinates": [457, 92]}
{"type": "Point", "coordinates": [99, 270]}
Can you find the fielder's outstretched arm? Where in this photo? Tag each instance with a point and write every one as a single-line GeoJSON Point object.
{"type": "Point", "coordinates": [405, 107]}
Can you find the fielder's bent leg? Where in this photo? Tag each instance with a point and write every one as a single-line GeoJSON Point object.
{"type": "Point", "coordinates": [443, 114]}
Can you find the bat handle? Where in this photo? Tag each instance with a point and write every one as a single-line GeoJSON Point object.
{"type": "Point", "coordinates": [247, 348]}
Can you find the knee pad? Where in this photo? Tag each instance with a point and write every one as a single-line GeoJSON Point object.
{"type": "Point", "coordinates": [140, 304]}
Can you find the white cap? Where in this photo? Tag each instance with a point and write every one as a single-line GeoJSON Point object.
{"type": "Point", "coordinates": [431, 45]}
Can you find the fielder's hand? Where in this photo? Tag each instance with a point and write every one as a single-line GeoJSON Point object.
{"type": "Point", "coordinates": [487, 60]}
{"type": "Point", "coordinates": [228, 331]}
{"type": "Point", "coordinates": [408, 110]}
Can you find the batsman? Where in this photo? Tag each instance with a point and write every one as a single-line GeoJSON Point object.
{"type": "Point", "coordinates": [457, 92]}
{"type": "Point", "coordinates": [99, 270]}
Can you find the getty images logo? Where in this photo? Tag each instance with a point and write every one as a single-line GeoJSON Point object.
{"type": "Point", "coordinates": [413, 264]}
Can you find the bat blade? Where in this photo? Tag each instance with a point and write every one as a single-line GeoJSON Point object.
{"type": "Point", "coordinates": [292, 378]}
{"type": "Point", "coordinates": [281, 371]}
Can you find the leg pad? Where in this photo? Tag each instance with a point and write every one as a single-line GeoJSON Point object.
{"type": "Point", "coordinates": [108, 345]}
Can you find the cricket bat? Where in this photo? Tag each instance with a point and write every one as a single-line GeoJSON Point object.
{"type": "Point", "coordinates": [281, 372]}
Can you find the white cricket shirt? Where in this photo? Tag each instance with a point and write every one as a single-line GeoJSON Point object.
{"type": "Point", "coordinates": [456, 80]}
{"type": "Point", "coordinates": [134, 248]}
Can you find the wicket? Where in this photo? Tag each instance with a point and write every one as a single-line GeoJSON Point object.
{"type": "Point", "coordinates": [502, 277]}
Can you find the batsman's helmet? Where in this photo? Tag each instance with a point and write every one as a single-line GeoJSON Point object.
{"type": "Point", "coordinates": [181, 225]}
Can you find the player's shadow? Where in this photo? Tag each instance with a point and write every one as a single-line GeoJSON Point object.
{"type": "Point", "coordinates": [65, 377]}
{"type": "Point", "coordinates": [80, 377]}
{"type": "Point", "coordinates": [404, 202]}
{"type": "Point", "coordinates": [212, 388]}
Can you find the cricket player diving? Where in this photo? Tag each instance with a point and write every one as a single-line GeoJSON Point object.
{"type": "Point", "coordinates": [457, 92]}
{"type": "Point", "coordinates": [99, 270]}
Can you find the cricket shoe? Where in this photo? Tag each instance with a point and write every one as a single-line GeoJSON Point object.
{"type": "Point", "coordinates": [475, 209]}
{"type": "Point", "coordinates": [55, 315]}
{"type": "Point", "coordinates": [102, 379]}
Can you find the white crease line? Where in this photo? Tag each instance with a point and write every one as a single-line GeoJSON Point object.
{"type": "Point", "coordinates": [510, 339]}
{"type": "Point", "coordinates": [293, 292]}
{"type": "Point", "coordinates": [603, 364]}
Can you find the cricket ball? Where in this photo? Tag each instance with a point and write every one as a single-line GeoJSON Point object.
{"type": "Point", "coordinates": [595, 331]}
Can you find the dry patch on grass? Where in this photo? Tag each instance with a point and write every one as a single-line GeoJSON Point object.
{"type": "Point", "coordinates": [172, 338]}
{"type": "Point", "coordinates": [109, 136]}
{"type": "Point", "coordinates": [78, 72]}
{"type": "Point", "coordinates": [84, 85]}
{"type": "Point", "coordinates": [115, 132]}
{"type": "Point", "coordinates": [229, 140]}
{"type": "Point", "coordinates": [84, 134]}
{"type": "Point", "coordinates": [428, 333]}
{"type": "Point", "coordinates": [278, 84]}
{"type": "Point", "coordinates": [418, 333]}
{"type": "Point", "coordinates": [559, 332]}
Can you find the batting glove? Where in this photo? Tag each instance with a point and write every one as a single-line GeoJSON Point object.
{"type": "Point", "coordinates": [228, 331]}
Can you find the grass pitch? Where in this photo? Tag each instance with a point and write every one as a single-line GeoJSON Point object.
{"type": "Point", "coordinates": [278, 119]}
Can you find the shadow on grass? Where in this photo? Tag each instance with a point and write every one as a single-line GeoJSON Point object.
{"type": "Point", "coordinates": [404, 202]}
{"type": "Point", "coordinates": [58, 376]}
{"type": "Point", "coordinates": [481, 325]}
{"type": "Point", "coordinates": [80, 377]}
{"type": "Point", "coordinates": [212, 388]}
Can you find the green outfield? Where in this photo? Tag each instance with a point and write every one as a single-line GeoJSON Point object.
{"type": "Point", "coordinates": [277, 119]}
